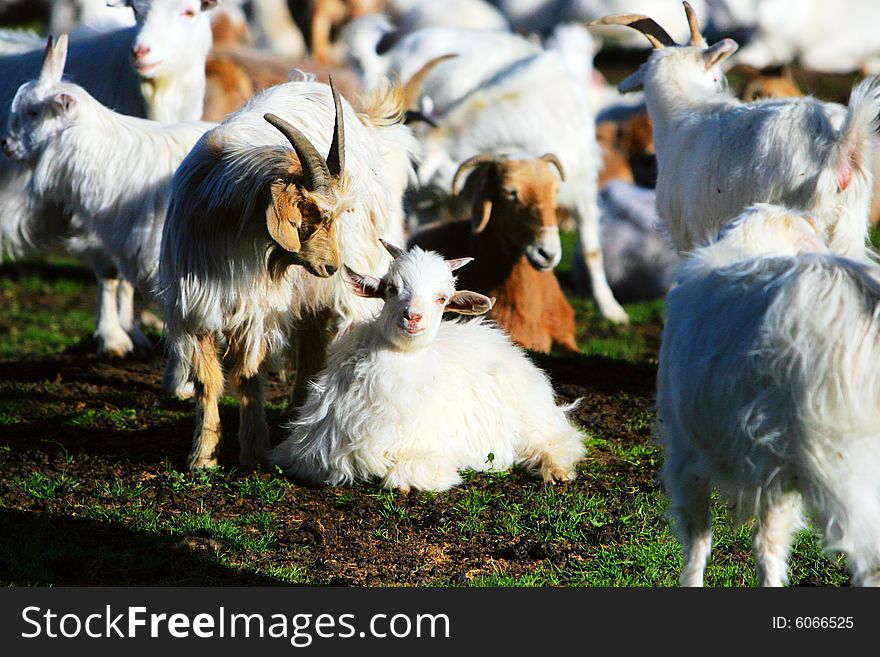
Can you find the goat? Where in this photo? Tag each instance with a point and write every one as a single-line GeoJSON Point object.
{"type": "Point", "coordinates": [412, 400]}
{"type": "Point", "coordinates": [717, 155]}
{"type": "Point", "coordinates": [766, 391]}
{"type": "Point", "coordinates": [244, 210]}
{"type": "Point", "coordinates": [535, 106]}
{"type": "Point", "coordinates": [80, 156]}
{"type": "Point", "coordinates": [514, 239]}
{"type": "Point", "coordinates": [155, 70]}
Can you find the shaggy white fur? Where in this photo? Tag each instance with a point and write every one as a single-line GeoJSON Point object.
{"type": "Point", "coordinates": [767, 389]}
{"type": "Point", "coordinates": [411, 400]}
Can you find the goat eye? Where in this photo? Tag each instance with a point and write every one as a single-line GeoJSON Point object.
{"type": "Point", "coordinates": [33, 113]}
{"type": "Point", "coordinates": [189, 13]}
{"type": "Point", "coordinates": [391, 289]}
{"type": "Point", "coordinates": [442, 300]}
{"type": "Point", "coordinates": [510, 194]}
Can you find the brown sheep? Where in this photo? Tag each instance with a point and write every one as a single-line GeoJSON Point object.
{"type": "Point", "coordinates": [514, 239]}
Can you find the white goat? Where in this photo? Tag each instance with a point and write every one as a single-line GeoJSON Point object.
{"type": "Point", "coordinates": [412, 400]}
{"type": "Point", "coordinates": [767, 389]}
{"type": "Point", "coordinates": [413, 15]}
{"type": "Point", "coordinates": [534, 105]}
{"type": "Point", "coordinates": [110, 171]}
{"type": "Point", "coordinates": [155, 69]}
{"type": "Point", "coordinates": [245, 209]}
{"type": "Point", "coordinates": [717, 155]}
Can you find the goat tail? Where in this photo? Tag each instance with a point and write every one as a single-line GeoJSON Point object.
{"type": "Point", "coordinates": [851, 154]}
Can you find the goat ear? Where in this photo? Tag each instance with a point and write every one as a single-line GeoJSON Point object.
{"type": "Point", "coordinates": [458, 263]}
{"type": "Point", "coordinates": [63, 102]}
{"type": "Point", "coordinates": [632, 83]}
{"type": "Point", "coordinates": [465, 302]}
{"type": "Point", "coordinates": [719, 52]}
{"type": "Point", "coordinates": [283, 218]}
{"type": "Point", "coordinates": [208, 4]}
{"type": "Point", "coordinates": [369, 287]}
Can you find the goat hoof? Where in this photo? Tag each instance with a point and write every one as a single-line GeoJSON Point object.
{"type": "Point", "coordinates": [554, 474]}
{"type": "Point", "coordinates": [115, 345]}
{"type": "Point", "coordinates": [182, 391]}
{"type": "Point", "coordinates": [201, 462]}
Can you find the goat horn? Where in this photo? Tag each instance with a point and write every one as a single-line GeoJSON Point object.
{"type": "Point", "coordinates": [314, 167]}
{"type": "Point", "coordinates": [336, 156]}
{"type": "Point", "coordinates": [552, 159]}
{"type": "Point", "coordinates": [395, 251]}
{"type": "Point", "coordinates": [658, 37]}
{"type": "Point", "coordinates": [696, 36]}
{"type": "Point", "coordinates": [470, 163]}
{"type": "Point", "coordinates": [413, 86]}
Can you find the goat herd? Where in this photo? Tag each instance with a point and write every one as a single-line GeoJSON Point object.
{"type": "Point", "coordinates": [322, 223]}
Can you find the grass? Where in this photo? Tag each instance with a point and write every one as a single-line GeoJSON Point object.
{"type": "Point", "coordinates": [608, 529]}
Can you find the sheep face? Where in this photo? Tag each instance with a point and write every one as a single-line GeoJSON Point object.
{"type": "Point", "coordinates": [167, 28]}
{"type": "Point", "coordinates": [42, 108]}
{"type": "Point", "coordinates": [417, 289]}
{"type": "Point", "coordinates": [516, 199]}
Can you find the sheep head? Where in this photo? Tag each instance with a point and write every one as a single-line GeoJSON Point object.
{"type": "Point", "coordinates": [516, 200]}
{"type": "Point", "coordinates": [417, 289]}
{"type": "Point", "coordinates": [304, 206]}
{"type": "Point", "coordinates": [694, 62]}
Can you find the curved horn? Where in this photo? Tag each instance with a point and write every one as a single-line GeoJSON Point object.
{"type": "Point", "coordinates": [696, 36]}
{"type": "Point", "coordinates": [552, 159]}
{"type": "Point", "coordinates": [658, 37]}
{"type": "Point", "coordinates": [470, 163]}
{"type": "Point", "coordinates": [314, 167]}
{"type": "Point", "coordinates": [413, 86]}
{"type": "Point", "coordinates": [336, 155]}
{"type": "Point", "coordinates": [395, 251]}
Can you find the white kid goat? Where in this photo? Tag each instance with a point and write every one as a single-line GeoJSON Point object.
{"type": "Point", "coordinates": [411, 400]}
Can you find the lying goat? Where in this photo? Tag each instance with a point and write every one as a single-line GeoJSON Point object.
{"type": "Point", "coordinates": [411, 400]}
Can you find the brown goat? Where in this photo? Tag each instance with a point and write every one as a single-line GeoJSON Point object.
{"type": "Point", "coordinates": [514, 240]}
{"type": "Point", "coordinates": [771, 82]}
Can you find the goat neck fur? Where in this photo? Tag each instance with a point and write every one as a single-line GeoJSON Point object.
{"type": "Point", "coordinates": [792, 420]}
{"type": "Point", "coordinates": [458, 396]}
{"type": "Point", "coordinates": [530, 305]}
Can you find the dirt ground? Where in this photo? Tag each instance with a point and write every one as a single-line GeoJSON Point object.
{"type": "Point", "coordinates": [338, 536]}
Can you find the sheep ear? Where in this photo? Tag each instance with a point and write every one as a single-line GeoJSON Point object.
{"type": "Point", "coordinates": [719, 52]}
{"type": "Point", "coordinates": [465, 302]}
{"type": "Point", "coordinates": [458, 263]}
{"type": "Point", "coordinates": [369, 287]}
{"type": "Point", "coordinates": [63, 102]}
{"type": "Point", "coordinates": [283, 218]}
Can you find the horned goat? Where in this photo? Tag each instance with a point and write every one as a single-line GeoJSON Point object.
{"type": "Point", "coordinates": [154, 69]}
{"type": "Point", "coordinates": [514, 239]}
{"type": "Point", "coordinates": [717, 155]}
{"type": "Point", "coordinates": [766, 391]}
{"type": "Point", "coordinates": [411, 400]}
{"type": "Point", "coordinates": [245, 209]}
{"type": "Point", "coordinates": [80, 156]}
